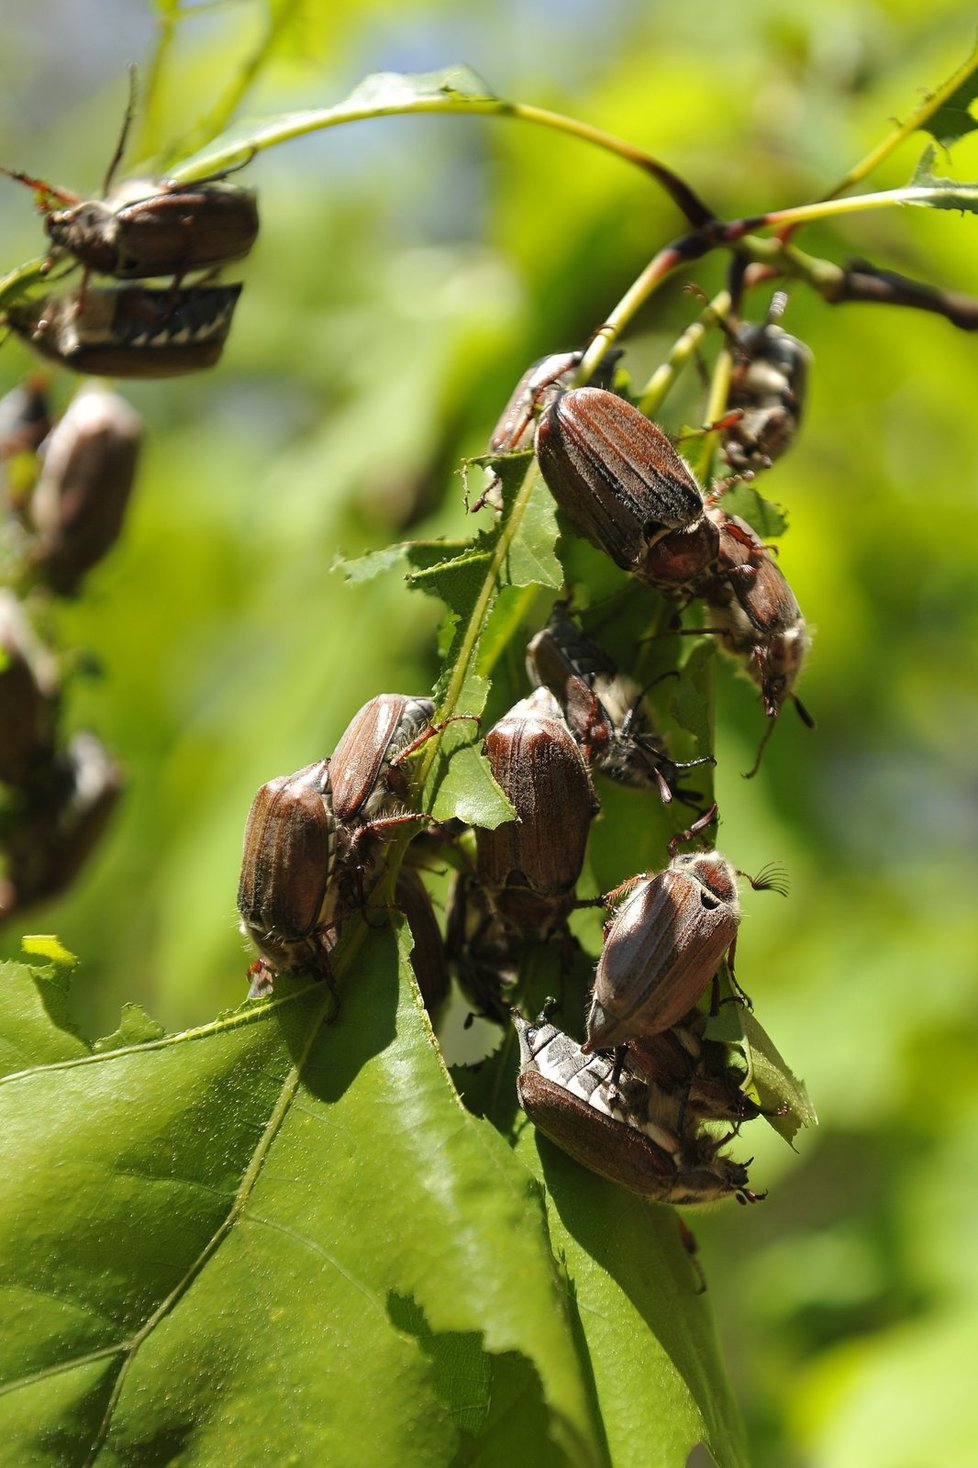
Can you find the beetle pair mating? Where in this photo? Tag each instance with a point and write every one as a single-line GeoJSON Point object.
{"type": "Point", "coordinates": [622, 1123]}
{"type": "Point", "coordinates": [637, 1117]}
{"type": "Point", "coordinates": [139, 231]}
{"type": "Point", "coordinates": [313, 838]}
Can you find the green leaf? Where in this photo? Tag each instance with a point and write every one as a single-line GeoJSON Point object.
{"type": "Point", "coordinates": [645, 1327]}
{"type": "Point", "coordinates": [37, 1029]}
{"type": "Point", "coordinates": [376, 563]}
{"type": "Point", "coordinates": [453, 89]}
{"type": "Point", "coordinates": [934, 192]}
{"type": "Point", "coordinates": [201, 1240]}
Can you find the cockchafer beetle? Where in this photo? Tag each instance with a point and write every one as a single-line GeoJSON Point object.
{"type": "Point", "coordinates": [371, 748]}
{"type": "Point", "coordinates": [79, 501]}
{"type": "Point", "coordinates": [757, 617]}
{"type": "Point", "coordinates": [768, 387]}
{"type": "Point", "coordinates": [145, 227]}
{"type": "Point", "coordinates": [310, 841]}
{"type": "Point", "coordinates": [29, 695]}
{"type": "Point", "coordinates": [665, 944]}
{"type": "Point", "coordinates": [130, 332]}
{"type": "Point", "coordinates": [608, 1122]}
{"type": "Point", "coordinates": [64, 820]}
{"type": "Point", "coordinates": [529, 866]}
{"type": "Point", "coordinates": [616, 475]}
{"type": "Point", "coordinates": [603, 708]}
{"type": "Point", "coordinates": [514, 430]}
{"type": "Point", "coordinates": [289, 850]}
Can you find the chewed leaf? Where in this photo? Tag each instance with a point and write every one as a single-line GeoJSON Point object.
{"type": "Point", "coordinates": [46, 945]}
{"type": "Point", "coordinates": [382, 94]}
{"type": "Point", "coordinates": [376, 563]}
{"type": "Point", "coordinates": [928, 190]}
{"type": "Point", "coordinates": [136, 1027]}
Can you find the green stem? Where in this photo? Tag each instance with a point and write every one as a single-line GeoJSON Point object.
{"type": "Point", "coordinates": [469, 645]}
{"type": "Point", "coordinates": [858, 203]}
{"type": "Point", "coordinates": [298, 124]}
{"type": "Point", "coordinates": [683, 349]}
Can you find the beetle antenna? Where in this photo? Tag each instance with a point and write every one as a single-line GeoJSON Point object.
{"type": "Point", "coordinates": [771, 878]}
{"type": "Point", "coordinates": [130, 113]}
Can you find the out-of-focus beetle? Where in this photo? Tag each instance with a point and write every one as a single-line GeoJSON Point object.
{"type": "Point", "coordinates": [25, 416]}
{"type": "Point", "coordinates": [529, 866]}
{"type": "Point", "coordinates": [131, 332]}
{"type": "Point", "coordinates": [64, 822]}
{"type": "Point", "coordinates": [605, 1118]}
{"type": "Point", "coordinates": [79, 501]}
{"type": "Point", "coordinates": [768, 387]}
{"type": "Point", "coordinates": [29, 688]}
{"type": "Point", "coordinates": [604, 709]}
{"type": "Point", "coordinates": [145, 227]}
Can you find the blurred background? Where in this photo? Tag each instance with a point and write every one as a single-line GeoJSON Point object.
{"type": "Point", "coordinates": [408, 270]}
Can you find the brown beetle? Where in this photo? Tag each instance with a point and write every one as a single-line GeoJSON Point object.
{"type": "Point", "coordinates": [25, 417]}
{"type": "Point", "coordinates": [663, 949]}
{"type": "Point", "coordinates": [529, 866]}
{"type": "Point", "coordinates": [603, 708]}
{"type": "Point", "coordinates": [611, 1121]}
{"type": "Point", "coordinates": [615, 475]}
{"type": "Point", "coordinates": [369, 750]}
{"type": "Point", "coordinates": [80, 498]}
{"type": "Point", "coordinates": [147, 228]}
{"type": "Point", "coordinates": [757, 617]}
{"type": "Point", "coordinates": [131, 332]}
{"type": "Point", "coordinates": [289, 849]}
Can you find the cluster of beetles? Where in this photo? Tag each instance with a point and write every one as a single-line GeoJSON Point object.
{"type": "Point", "coordinates": [65, 482]}
{"type": "Point", "coordinates": [647, 1099]}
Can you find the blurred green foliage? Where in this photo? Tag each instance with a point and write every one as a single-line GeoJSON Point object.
{"type": "Point", "coordinates": [407, 272]}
